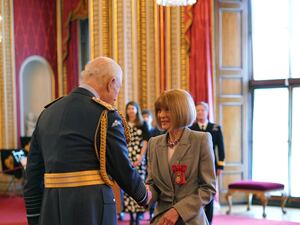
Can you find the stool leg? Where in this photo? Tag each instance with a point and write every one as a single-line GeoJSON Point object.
{"type": "Point", "coordinates": [284, 198]}
{"type": "Point", "coordinates": [264, 202]}
{"type": "Point", "coordinates": [229, 202]}
{"type": "Point", "coordinates": [250, 195]}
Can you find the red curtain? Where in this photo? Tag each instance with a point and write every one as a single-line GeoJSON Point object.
{"type": "Point", "coordinates": [34, 37]}
{"type": "Point", "coordinates": [199, 38]}
{"type": "Point", "coordinates": [73, 10]}
{"type": "Point", "coordinates": [72, 61]}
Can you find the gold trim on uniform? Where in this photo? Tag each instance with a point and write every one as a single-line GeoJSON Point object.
{"type": "Point", "coordinates": [110, 107]}
{"type": "Point", "coordinates": [106, 105]}
{"type": "Point", "coordinates": [102, 126]}
{"type": "Point", "coordinates": [126, 128]}
{"type": "Point", "coordinates": [46, 106]}
{"type": "Point", "coordinates": [102, 153]}
{"type": "Point", "coordinates": [73, 179]}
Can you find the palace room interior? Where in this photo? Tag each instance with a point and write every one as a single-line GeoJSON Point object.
{"type": "Point", "coordinates": [240, 56]}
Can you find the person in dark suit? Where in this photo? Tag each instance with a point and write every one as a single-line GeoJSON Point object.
{"type": "Point", "coordinates": [181, 171]}
{"type": "Point", "coordinates": [77, 150]}
{"type": "Point", "coordinates": [148, 118]}
{"type": "Point", "coordinates": [202, 124]}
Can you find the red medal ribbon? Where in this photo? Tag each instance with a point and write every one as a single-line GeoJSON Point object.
{"type": "Point", "coordinates": [179, 170]}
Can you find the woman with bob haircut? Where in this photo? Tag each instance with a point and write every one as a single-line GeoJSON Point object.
{"type": "Point", "coordinates": [181, 173]}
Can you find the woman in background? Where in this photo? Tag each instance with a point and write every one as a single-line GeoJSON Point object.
{"type": "Point", "coordinates": [181, 173]}
{"type": "Point", "coordinates": [137, 147]}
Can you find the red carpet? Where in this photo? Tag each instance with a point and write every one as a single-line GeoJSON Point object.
{"type": "Point", "coordinates": [239, 220]}
{"type": "Point", "coordinates": [12, 212]}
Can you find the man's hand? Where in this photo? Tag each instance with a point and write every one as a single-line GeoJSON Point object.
{"type": "Point", "coordinates": [169, 218]}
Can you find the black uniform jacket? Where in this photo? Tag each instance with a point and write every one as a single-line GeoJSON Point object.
{"type": "Point", "coordinates": [218, 143]}
{"type": "Point", "coordinates": [63, 141]}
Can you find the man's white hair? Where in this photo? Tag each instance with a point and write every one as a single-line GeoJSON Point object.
{"type": "Point", "coordinates": [101, 68]}
{"type": "Point", "coordinates": [204, 104]}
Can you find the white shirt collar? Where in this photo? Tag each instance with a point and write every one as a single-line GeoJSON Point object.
{"type": "Point", "coordinates": [91, 89]}
{"type": "Point", "coordinates": [202, 125]}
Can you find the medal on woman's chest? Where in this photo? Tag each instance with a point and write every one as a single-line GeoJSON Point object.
{"type": "Point", "coordinates": [179, 170]}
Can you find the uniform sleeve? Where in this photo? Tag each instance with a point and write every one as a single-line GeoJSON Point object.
{"type": "Point", "coordinates": [189, 206]}
{"type": "Point", "coordinates": [34, 181]}
{"type": "Point", "coordinates": [220, 150]}
{"type": "Point", "coordinates": [118, 164]}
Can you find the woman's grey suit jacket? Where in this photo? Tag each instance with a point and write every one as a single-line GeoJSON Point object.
{"type": "Point", "coordinates": [195, 151]}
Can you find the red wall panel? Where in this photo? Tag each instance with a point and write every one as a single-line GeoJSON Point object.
{"type": "Point", "coordinates": [35, 31]}
{"type": "Point", "coordinates": [35, 34]}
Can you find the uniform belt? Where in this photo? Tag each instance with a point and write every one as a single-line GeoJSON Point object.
{"type": "Point", "coordinates": [73, 179]}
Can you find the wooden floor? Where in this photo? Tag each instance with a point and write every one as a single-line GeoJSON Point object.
{"type": "Point", "coordinates": [273, 213]}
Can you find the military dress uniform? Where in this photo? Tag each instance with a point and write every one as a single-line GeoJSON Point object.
{"type": "Point", "coordinates": [77, 148]}
{"type": "Point", "coordinates": [218, 146]}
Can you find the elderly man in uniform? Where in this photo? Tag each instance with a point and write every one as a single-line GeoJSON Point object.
{"type": "Point", "coordinates": [203, 124]}
{"type": "Point", "coordinates": [77, 149]}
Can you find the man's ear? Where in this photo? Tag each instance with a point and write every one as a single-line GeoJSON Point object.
{"type": "Point", "coordinates": [110, 84]}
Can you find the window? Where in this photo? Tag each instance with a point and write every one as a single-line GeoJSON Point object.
{"type": "Point", "coordinates": [275, 88]}
{"type": "Point", "coordinates": [270, 135]}
{"type": "Point", "coordinates": [295, 153]}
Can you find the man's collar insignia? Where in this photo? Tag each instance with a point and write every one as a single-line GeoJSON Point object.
{"type": "Point", "coordinates": [215, 127]}
{"type": "Point", "coordinates": [116, 123]}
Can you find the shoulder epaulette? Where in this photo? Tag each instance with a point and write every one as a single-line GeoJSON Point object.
{"type": "Point", "coordinates": [55, 100]}
{"type": "Point", "coordinates": [106, 105]}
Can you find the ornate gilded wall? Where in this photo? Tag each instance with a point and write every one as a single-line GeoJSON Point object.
{"type": "Point", "coordinates": [7, 79]}
{"type": "Point", "coordinates": [146, 40]}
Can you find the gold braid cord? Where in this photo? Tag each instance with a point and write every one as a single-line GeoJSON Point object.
{"type": "Point", "coordinates": [102, 153]}
{"type": "Point", "coordinates": [102, 125]}
{"type": "Point", "coordinates": [112, 108]}
{"type": "Point", "coordinates": [95, 139]}
{"type": "Point", "coordinates": [126, 128]}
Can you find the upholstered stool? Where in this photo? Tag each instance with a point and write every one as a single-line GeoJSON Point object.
{"type": "Point", "coordinates": [260, 189]}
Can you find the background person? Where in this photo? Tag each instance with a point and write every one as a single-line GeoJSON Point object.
{"type": "Point", "coordinates": [148, 118]}
{"type": "Point", "coordinates": [203, 124]}
{"type": "Point", "coordinates": [137, 146]}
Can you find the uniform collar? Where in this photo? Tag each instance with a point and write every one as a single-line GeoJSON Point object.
{"type": "Point", "coordinates": [90, 89]}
